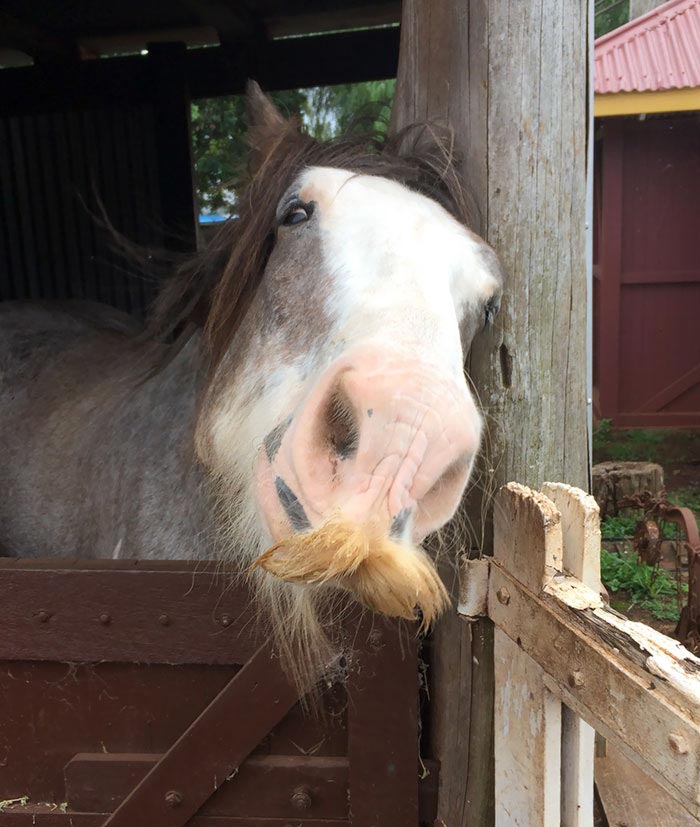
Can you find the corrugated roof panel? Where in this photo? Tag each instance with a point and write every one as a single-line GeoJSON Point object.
{"type": "Point", "coordinates": [657, 51]}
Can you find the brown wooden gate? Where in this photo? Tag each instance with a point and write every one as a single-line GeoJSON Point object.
{"type": "Point", "coordinates": [136, 694]}
{"type": "Point", "coordinates": [647, 285]}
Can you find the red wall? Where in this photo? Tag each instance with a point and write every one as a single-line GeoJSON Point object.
{"type": "Point", "coordinates": [646, 312]}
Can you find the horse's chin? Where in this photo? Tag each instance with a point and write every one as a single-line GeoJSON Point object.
{"type": "Point", "coordinates": [385, 576]}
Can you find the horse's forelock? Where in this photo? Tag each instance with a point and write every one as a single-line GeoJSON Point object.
{"type": "Point", "coordinates": [216, 286]}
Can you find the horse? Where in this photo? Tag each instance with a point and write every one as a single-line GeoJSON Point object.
{"type": "Point", "coordinates": [296, 403]}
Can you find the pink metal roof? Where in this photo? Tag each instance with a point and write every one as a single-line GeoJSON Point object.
{"type": "Point", "coordinates": [659, 50]}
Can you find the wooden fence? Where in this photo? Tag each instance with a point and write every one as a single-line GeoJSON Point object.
{"type": "Point", "coordinates": [567, 665]}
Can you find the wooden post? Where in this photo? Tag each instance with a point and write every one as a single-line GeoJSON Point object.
{"type": "Point", "coordinates": [171, 103]}
{"type": "Point", "coordinates": [511, 79]}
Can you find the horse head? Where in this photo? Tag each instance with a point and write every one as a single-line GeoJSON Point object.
{"type": "Point", "coordinates": [337, 418]}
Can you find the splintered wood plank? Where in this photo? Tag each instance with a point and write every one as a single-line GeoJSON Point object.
{"type": "Point", "coordinates": [630, 683]}
{"type": "Point", "coordinates": [632, 799]}
{"type": "Point", "coordinates": [580, 521]}
{"type": "Point", "coordinates": [527, 741]}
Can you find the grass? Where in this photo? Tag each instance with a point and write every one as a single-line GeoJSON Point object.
{"type": "Point", "coordinates": [649, 588]}
{"type": "Point", "coordinates": [626, 445]}
{"type": "Point", "coordinates": [663, 445]}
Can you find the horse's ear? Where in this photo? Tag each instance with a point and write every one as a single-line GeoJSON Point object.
{"type": "Point", "coordinates": [266, 124]}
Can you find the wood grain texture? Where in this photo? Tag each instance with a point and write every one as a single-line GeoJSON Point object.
{"type": "Point", "coordinates": [527, 725]}
{"type": "Point", "coordinates": [510, 78]}
{"type": "Point", "coordinates": [632, 799]}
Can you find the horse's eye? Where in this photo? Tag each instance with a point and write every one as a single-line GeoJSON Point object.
{"type": "Point", "coordinates": [296, 213]}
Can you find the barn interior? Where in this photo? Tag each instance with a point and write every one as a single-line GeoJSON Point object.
{"type": "Point", "coordinates": [95, 108]}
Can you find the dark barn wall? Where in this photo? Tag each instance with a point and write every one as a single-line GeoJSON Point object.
{"type": "Point", "coordinates": [647, 302]}
{"type": "Point", "coordinates": [55, 166]}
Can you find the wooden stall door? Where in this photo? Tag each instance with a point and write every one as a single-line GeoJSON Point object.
{"type": "Point", "coordinates": [647, 347]}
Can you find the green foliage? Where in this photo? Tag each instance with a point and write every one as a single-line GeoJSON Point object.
{"type": "Point", "coordinates": [627, 445]}
{"type": "Point", "coordinates": [649, 588]}
{"type": "Point", "coordinates": [614, 527]}
{"type": "Point", "coordinates": [609, 14]}
{"type": "Point", "coordinates": [687, 497]}
{"type": "Point", "coordinates": [219, 146]}
{"type": "Point", "coordinates": [218, 129]}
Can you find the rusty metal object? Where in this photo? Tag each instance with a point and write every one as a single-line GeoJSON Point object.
{"type": "Point", "coordinates": [647, 542]}
{"type": "Point", "coordinates": [648, 539]}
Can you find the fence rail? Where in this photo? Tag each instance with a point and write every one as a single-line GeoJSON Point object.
{"type": "Point", "coordinates": [566, 665]}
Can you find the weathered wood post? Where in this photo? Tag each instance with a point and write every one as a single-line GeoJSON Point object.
{"type": "Point", "coordinates": [511, 79]}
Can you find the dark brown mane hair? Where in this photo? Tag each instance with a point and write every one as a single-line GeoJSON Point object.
{"type": "Point", "coordinates": [216, 286]}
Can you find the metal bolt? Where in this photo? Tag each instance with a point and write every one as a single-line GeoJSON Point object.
{"type": "Point", "coordinates": [301, 798]}
{"type": "Point", "coordinates": [226, 620]}
{"type": "Point", "coordinates": [173, 798]}
{"type": "Point", "coordinates": [105, 619]}
{"type": "Point", "coordinates": [503, 596]}
{"type": "Point", "coordinates": [575, 679]}
{"type": "Point", "coordinates": [43, 616]}
{"type": "Point", "coordinates": [678, 744]}
{"type": "Point", "coordinates": [164, 620]}
{"type": "Point", "coordinates": [375, 639]}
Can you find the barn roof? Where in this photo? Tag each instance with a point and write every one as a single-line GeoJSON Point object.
{"type": "Point", "coordinates": [658, 51]}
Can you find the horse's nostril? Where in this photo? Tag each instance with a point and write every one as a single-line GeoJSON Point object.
{"type": "Point", "coordinates": [341, 425]}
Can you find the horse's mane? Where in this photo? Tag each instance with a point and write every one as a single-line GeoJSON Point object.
{"type": "Point", "coordinates": [214, 287]}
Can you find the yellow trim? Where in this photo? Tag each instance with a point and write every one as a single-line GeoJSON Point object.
{"type": "Point", "coordinates": [636, 103]}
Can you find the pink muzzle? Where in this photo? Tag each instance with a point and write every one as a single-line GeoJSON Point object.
{"type": "Point", "coordinates": [381, 439]}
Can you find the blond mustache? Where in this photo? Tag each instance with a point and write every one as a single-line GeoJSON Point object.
{"type": "Point", "coordinates": [383, 575]}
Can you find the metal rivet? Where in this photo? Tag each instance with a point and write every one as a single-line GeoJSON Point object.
{"type": "Point", "coordinates": [301, 798]}
{"type": "Point", "coordinates": [678, 744]}
{"type": "Point", "coordinates": [226, 620]}
{"type": "Point", "coordinates": [43, 616]}
{"type": "Point", "coordinates": [105, 619]}
{"type": "Point", "coordinates": [503, 596]}
{"type": "Point", "coordinates": [575, 679]}
{"type": "Point", "coordinates": [173, 798]}
{"type": "Point", "coordinates": [375, 638]}
{"type": "Point", "coordinates": [164, 620]}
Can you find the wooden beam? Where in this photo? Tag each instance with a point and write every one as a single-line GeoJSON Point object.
{"type": "Point", "coordinates": [171, 102]}
{"type": "Point", "coordinates": [282, 64]}
{"type": "Point", "coordinates": [34, 40]}
{"type": "Point", "coordinates": [355, 17]}
{"type": "Point", "coordinates": [639, 103]}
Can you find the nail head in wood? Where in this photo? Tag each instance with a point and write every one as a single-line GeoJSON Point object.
{"type": "Point", "coordinates": [164, 620]}
{"type": "Point", "coordinates": [575, 679]}
{"type": "Point", "coordinates": [105, 619]}
{"type": "Point", "coordinates": [43, 616]}
{"type": "Point", "coordinates": [503, 596]}
{"type": "Point", "coordinates": [173, 798]}
{"type": "Point", "coordinates": [678, 744]}
{"type": "Point", "coordinates": [301, 798]}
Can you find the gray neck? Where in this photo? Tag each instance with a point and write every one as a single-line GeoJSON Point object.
{"type": "Point", "coordinates": [111, 471]}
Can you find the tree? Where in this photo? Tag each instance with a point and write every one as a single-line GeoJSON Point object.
{"type": "Point", "coordinates": [609, 14]}
{"type": "Point", "coordinates": [218, 130]}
